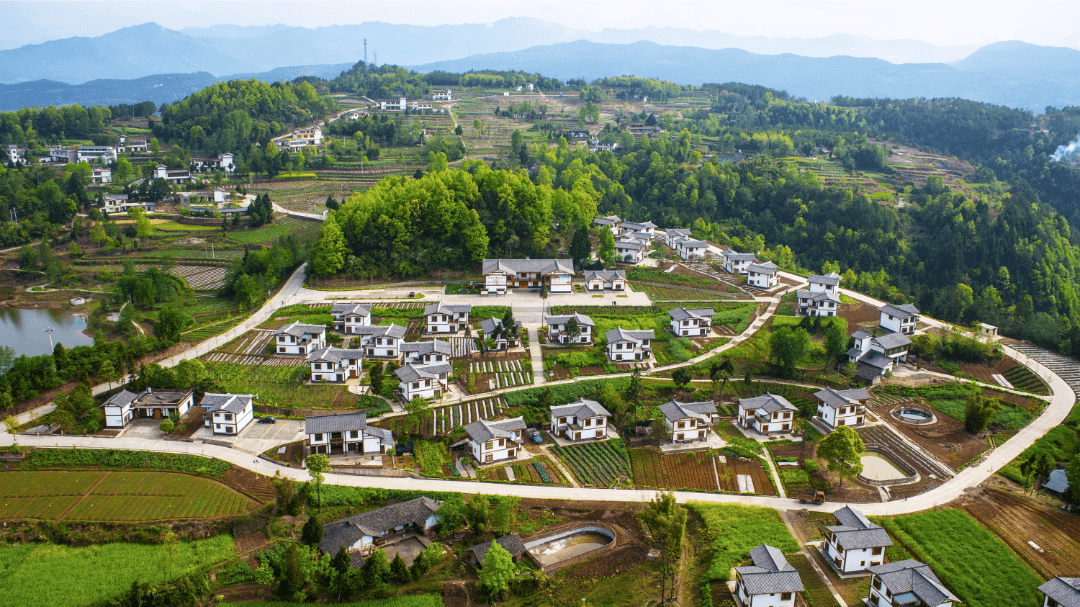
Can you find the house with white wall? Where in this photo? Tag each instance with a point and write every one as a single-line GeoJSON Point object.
{"type": "Point", "coordinates": [300, 339]}
{"type": "Point", "coordinates": [580, 420]}
{"type": "Point", "coordinates": [688, 422]}
{"type": "Point", "coordinates": [673, 234]}
{"type": "Point", "coordinates": [442, 95]}
{"type": "Point", "coordinates": [227, 414]}
{"type": "Point", "coordinates": [119, 203]}
{"type": "Point", "coordinates": [364, 532]}
{"type": "Point", "coordinates": [638, 230]}
{"type": "Point", "coordinates": [490, 326]}
{"type": "Point", "coordinates": [688, 248]}
{"type": "Point", "coordinates": [429, 352]}
{"type": "Point", "coordinates": [829, 283]}
{"type": "Point", "coordinates": [854, 544]}
{"type": "Point", "coordinates": [559, 333]}
{"type": "Point", "coordinates": [605, 280]}
{"type": "Point", "coordinates": [311, 135]}
{"type": "Point", "coordinates": [496, 441]}
{"type": "Point", "coordinates": [817, 303]}
{"type": "Point", "coordinates": [763, 275]}
{"type": "Point", "coordinates": [696, 322]}
{"type": "Point", "coordinates": [770, 582]}
{"type": "Point", "coordinates": [841, 407]}
{"type": "Point", "coordinates": [123, 407]}
{"type": "Point", "coordinates": [767, 413]}
{"type": "Point", "coordinates": [631, 250]}
{"type": "Point", "coordinates": [737, 263]}
{"type": "Point", "coordinates": [1061, 592]}
{"type": "Point", "coordinates": [101, 175]}
{"type": "Point", "coordinates": [335, 365]}
{"type": "Point", "coordinates": [345, 434]}
{"type": "Point", "coordinates": [874, 357]}
{"type": "Point", "coordinates": [900, 319]}
{"type": "Point", "coordinates": [907, 582]}
{"type": "Point", "coordinates": [612, 222]}
{"type": "Point", "coordinates": [423, 381]}
{"type": "Point", "coordinates": [446, 318]}
{"type": "Point", "coordinates": [503, 274]}
{"type": "Point", "coordinates": [348, 317]}
{"type": "Point", "coordinates": [382, 341]}
{"type": "Point", "coordinates": [629, 346]}
{"type": "Point", "coordinates": [106, 154]}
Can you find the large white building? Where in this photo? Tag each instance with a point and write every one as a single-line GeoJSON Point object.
{"type": "Point", "coordinates": [423, 381]}
{"type": "Point", "coordinates": [447, 318]}
{"type": "Point", "coordinates": [335, 365]}
{"type": "Point", "coordinates": [426, 352]}
{"type": "Point", "coordinates": [580, 420]}
{"type": "Point", "coordinates": [503, 274]}
{"type": "Point", "coordinates": [854, 544]}
{"type": "Point", "coordinates": [689, 249]}
{"type": "Point", "coordinates": [907, 582]}
{"type": "Point", "coordinates": [106, 154]}
{"type": "Point", "coordinates": [762, 275]}
{"type": "Point", "coordinates": [767, 413]}
{"type": "Point", "coordinates": [491, 442]}
{"type": "Point", "coordinates": [300, 339]}
{"type": "Point", "coordinates": [817, 303]}
{"type": "Point", "coordinates": [125, 406]}
{"type": "Point", "coordinates": [382, 341]}
{"type": "Point", "coordinates": [228, 413]}
{"type": "Point", "coordinates": [696, 322]}
{"type": "Point", "coordinates": [737, 263]}
{"type": "Point", "coordinates": [629, 346]}
{"type": "Point", "coordinates": [348, 317]}
{"type": "Point", "coordinates": [841, 407]}
{"type": "Point", "coordinates": [343, 434]}
{"type": "Point", "coordinates": [770, 582]}
{"type": "Point", "coordinates": [638, 230]}
{"type": "Point", "coordinates": [688, 422]}
{"type": "Point", "coordinates": [559, 333]}
{"type": "Point", "coordinates": [900, 319]}
{"type": "Point", "coordinates": [442, 95]}
{"type": "Point", "coordinates": [631, 250]}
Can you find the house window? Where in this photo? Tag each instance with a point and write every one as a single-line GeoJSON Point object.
{"type": "Point", "coordinates": [785, 596]}
{"type": "Point", "coordinates": [876, 551]}
{"type": "Point", "coordinates": [876, 583]}
{"type": "Point", "coordinates": [318, 438]}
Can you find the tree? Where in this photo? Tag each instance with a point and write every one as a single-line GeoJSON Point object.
{"type": "Point", "coordinates": [143, 228]}
{"type": "Point", "coordinates": [477, 126]}
{"type": "Point", "coordinates": [477, 513]}
{"type": "Point", "coordinates": [170, 323]}
{"type": "Point", "coordinates": [451, 514]}
{"type": "Point", "coordinates": [1038, 467]}
{"type": "Point", "coordinates": [573, 329]}
{"type": "Point", "coordinates": [581, 247]}
{"type": "Point", "coordinates": [12, 426]}
{"type": "Point", "coordinates": [167, 426]}
{"type": "Point", "coordinates": [607, 248]}
{"type": "Point", "coordinates": [108, 373]}
{"type": "Point", "coordinates": [292, 580]}
{"type": "Point", "coordinates": [329, 251]}
{"type": "Point", "coordinates": [341, 564]}
{"type": "Point", "coordinates": [317, 464]}
{"type": "Point", "coordinates": [376, 568]}
{"type": "Point", "coordinates": [375, 377]}
{"type": "Point", "coordinates": [247, 292]}
{"type": "Point", "coordinates": [633, 389]}
{"type": "Point", "coordinates": [124, 170]}
{"type": "Point", "coordinates": [414, 412]}
{"type": "Point", "coordinates": [787, 346]}
{"type": "Point", "coordinates": [505, 516]}
{"type": "Point", "coordinates": [681, 377]}
{"type": "Point", "coordinates": [497, 571]}
{"type": "Point", "coordinates": [1072, 471]}
{"type": "Point", "coordinates": [312, 532]}
{"type": "Point", "coordinates": [517, 141]}
{"type": "Point", "coordinates": [842, 449]}
{"type": "Point", "coordinates": [978, 411]}
{"type": "Point", "coordinates": [666, 521]}
{"type": "Point", "coordinates": [836, 340]}
{"type": "Point", "coordinates": [399, 571]}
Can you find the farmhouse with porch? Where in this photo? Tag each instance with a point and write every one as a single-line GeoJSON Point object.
{"type": "Point", "coordinates": [335, 364]}
{"type": "Point", "coordinates": [695, 322]}
{"type": "Point", "coordinates": [423, 381]}
{"type": "Point", "coordinates": [854, 544]}
{"type": "Point", "coordinates": [125, 406]}
{"type": "Point", "coordinates": [605, 280]}
{"type": "Point", "coordinates": [770, 582]}
{"type": "Point", "coordinates": [491, 442]}
{"type": "Point", "coordinates": [503, 274]}
{"type": "Point", "coordinates": [737, 263]}
{"type": "Point", "coordinates": [688, 422]}
{"type": "Point", "coordinates": [900, 319]}
{"type": "Point", "coordinates": [580, 420]}
{"type": "Point", "coordinates": [841, 407]}
{"type": "Point", "coordinates": [426, 352]}
{"type": "Point", "coordinates": [343, 434]}
{"type": "Point", "coordinates": [349, 317]}
{"type": "Point", "coordinates": [300, 339]}
{"type": "Point", "coordinates": [559, 333]}
{"type": "Point", "coordinates": [365, 531]}
{"type": "Point", "coordinates": [767, 413]}
{"type": "Point", "coordinates": [763, 275]}
{"type": "Point", "coordinates": [629, 346]}
{"type": "Point", "coordinates": [229, 413]}
{"type": "Point", "coordinates": [907, 582]}
{"type": "Point", "coordinates": [447, 318]}
{"type": "Point", "coordinates": [382, 341]}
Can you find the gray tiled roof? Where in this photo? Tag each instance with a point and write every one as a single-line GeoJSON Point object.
{"type": "Point", "coordinates": [411, 372]}
{"type": "Point", "coordinates": [674, 232]}
{"type": "Point", "coordinates": [903, 311]}
{"type": "Point", "coordinates": [348, 531]}
{"type": "Point", "coordinates": [120, 399]}
{"type": "Point", "coordinates": [334, 355]}
{"type": "Point", "coordinates": [516, 266]}
{"type": "Point", "coordinates": [638, 227]}
{"type": "Point", "coordinates": [441, 308]}
{"type": "Point", "coordinates": [683, 313]}
{"type": "Point", "coordinates": [233, 403]}
{"type": "Point", "coordinates": [299, 329]}
{"type": "Point", "coordinates": [763, 268]}
{"type": "Point", "coordinates": [620, 334]}
{"type": "Point", "coordinates": [867, 372]}
{"type": "Point", "coordinates": [482, 430]}
{"type": "Point", "coordinates": [736, 256]}
{"type": "Point", "coordinates": [831, 279]}
{"type": "Point", "coordinates": [335, 423]}
{"type": "Point", "coordinates": [877, 359]}
{"type": "Point", "coordinates": [768, 402]}
{"type": "Point", "coordinates": [893, 340]}
{"type": "Point", "coordinates": [391, 330]}
{"type": "Point", "coordinates": [862, 334]}
{"type": "Point", "coordinates": [841, 398]}
{"type": "Point", "coordinates": [855, 531]}
{"type": "Point", "coordinates": [690, 243]}
{"type": "Point", "coordinates": [605, 275]}
{"type": "Point", "coordinates": [1064, 590]}
{"type": "Point", "coordinates": [562, 320]}
{"type": "Point", "coordinates": [630, 245]}
{"type": "Point", "coordinates": [1058, 481]}
{"type": "Point", "coordinates": [434, 346]}
{"type": "Point", "coordinates": [157, 398]}
{"type": "Point", "coordinates": [606, 221]}
{"type": "Point", "coordinates": [488, 325]}
{"type": "Point", "coordinates": [580, 409]}
{"type": "Point", "coordinates": [674, 410]}
{"type": "Point", "coordinates": [914, 577]}
{"type": "Point", "coordinates": [344, 309]}
{"type": "Point", "coordinates": [512, 543]}
{"type": "Point", "coordinates": [816, 295]}
{"type": "Point", "coordinates": [770, 573]}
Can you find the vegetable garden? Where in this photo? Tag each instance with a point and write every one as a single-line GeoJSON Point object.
{"type": "Point", "coordinates": [280, 386]}
{"type": "Point", "coordinates": [595, 464]}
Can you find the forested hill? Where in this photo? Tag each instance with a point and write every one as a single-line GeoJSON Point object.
{"type": "Point", "coordinates": [388, 81]}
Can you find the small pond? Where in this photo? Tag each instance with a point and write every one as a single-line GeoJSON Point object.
{"type": "Point", "coordinates": [556, 548]}
{"type": "Point", "coordinates": [23, 330]}
{"type": "Point", "coordinates": [877, 467]}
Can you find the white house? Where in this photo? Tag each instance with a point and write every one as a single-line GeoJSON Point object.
{"type": "Point", "coordinates": [1061, 592]}
{"type": "Point", "coordinates": [136, 145]}
{"type": "Point", "coordinates": [300, 339]}
{"type": "Point", "coordinates": [426, 352]}
{"type": "Point", "coordinates": [644, 230]}
{"type": "Point", "coordinates": [875, 356]}
{"type": "Point", "coordinates": [119, 203]}
{"type": "Point", "coordinates": [688, 422]}
{"type": "Point", "coordinates": [503, 274]}
{"type": "Point", "coordinates": [348, 317]}
{"type": "Point", "coordinates": [383, 341]}
{"type": "Point", "coordinates": [854, 544]}
{"type": "Point", "coordinates": [829, 283]}
{"type": "Point", "coordinates": [558, 333]}
{"type": "Point", "coordinates": [15, 154]}
{"type": "Point", "coordinates": [335, 364]}
{"type": "Point", "coordinates": [172, 175]}
{"type": "Point", "coordinates": [770, 582]}
{"type": "Point", "coordinates": [125, 406]}
{"type": "Point", "coordinates": [447, 318]}
{"type": "Point", "coordinates": [841, 407]}
{"type": "Point", "coordinates": [229, 413]}
{"type": "Point", "coordinates": [631, 250]}
{"type": "Point", "coordinates": [691, 323]}
{"type": "Point", "coordinates": [767, 413]}
{"type": "Point", "coordinates": [737, 263]}
{"type": "Point", "coordinates": [762, 275]}
{"type": "Point", "coordinates": [491, 326]}
{"type": "Point", "coordinates": [907, 582]}
{"type": "Point", "coordinates": [89, 153]}
{"type": "Point", "coordinates": [817, 303]}
{"type": "Point", "coordinates": [101, 175]}
{"type": "Point", "coordinates": [691, 249]}
{"type": "Point", "coordinates": [627, 346]}
{"type": "Point", "coordinates": [348, 433]}
{"type": "Point", "coordinates": [423, 381]}
{"type": "Point", "coordinates": [363, 532]}
{"type": "Point", "coordinates": [311, 135]}
{"type": "Point", "coordinates": [611, 222]}
{"type": "Point", "coordinates": [393, 106]}
{"type": "Point", "coordinates": [900, 319]}
{"type": "Point", "coordinates": [495, 441]}
{"type": "Point", "coordinates": [443, 95]}
{"type": "Point", "coordinates": [580, 420]}
{"type": "Point", "coordinates": [605, 280]}
{"type": "Point", "coordinates": [673, 234]}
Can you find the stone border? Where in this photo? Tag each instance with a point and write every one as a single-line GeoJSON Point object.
{"type": "Point", "coordinates": [570, 530]}
{"type": "Point", "coordinates": [895, 459]}
{"type": "Point", "coordinates": [893, 413]}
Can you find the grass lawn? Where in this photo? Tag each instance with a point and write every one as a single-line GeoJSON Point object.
{"type": "Point", "coordinates": [734, 529]}
{"type": "Point", "coordinates": [971, 562]}
{"type": "Point", "coordinates": [183, 227]}
{"type": "Point", "coordinates": [46, 575]}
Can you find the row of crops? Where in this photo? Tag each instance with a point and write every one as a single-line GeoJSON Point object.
{"type": "Point", "coordinates": [594, 464]}
{"type": "Point", "coordinates": [278, 386]}
{"type": "Point", "coordinates": [1022, 378]}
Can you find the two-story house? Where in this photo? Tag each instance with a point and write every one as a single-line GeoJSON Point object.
{"type": "Point", "coordinates": [770, 582]}
{"type": "Point", "coordinates": [348, 433]}
{"type": "Point", "coordinates": [430, 352]}
{"type": "Point", "coordinates": [447, 318]}
{"type": "Point", "coordinates": [763, 275]}
{"type": "Point", "coordinates": [121, 408]}
{"type": "Point", "coordinates": [300, 339]}
{"type": "Point", "coordinates": [627, 346]}
{"type": "Point", "coordinates": [612, 222]}
{"type": "Point", "coordinates": [580, 420]}
{"type": "Point", "coordinates": [227, 414]}
{"type": "Point", "coordinates": [348, 317]}
{"type": "Point", "coordinates": [1061, 592]}
{"type": "Point", "coordinates": [817, 303]}
{"type": "Point", "coordinates": [605, 280]}
{"type": "Point", "coordinates": [423, 381]}
{"type": "Point", "coordinates": [503, 274]}
{"type": "Point", "coordinates": [900, 319]}
{"type": "Point", "coordinates": [907, 582]}
{"type": "Point", "coordinates": [854, 543]}
{"type": "Point", "coordinates": [737, 263]}
{"type": "Point", "coordinates": [363, 532]}
{"type": "Point", "coordinates": [874, 357]}
{"type": "Point", "coordinates": [841, 407]}
{"type": "Point", "coordinates": [696, 322]}
{"type": "Point", "coordinates": [673, 234]}
{"type": "Point", "coordinates": [559, 330]}
{"type": "Point", "coordinates": [497, 441]}
{"type": "Point", "coordinates": [688, 422]}
{"type": "Point", "coordinates": [335, 364]}
{"type": "Point", "coordinates": [638, 230]}
{"type": "Point", "coordinates": [689, 249]}
{"type": "Point", "coordinates": [631, 250]}
{"type": "Point", "coordinates": [489, 327]}
{"type": "Point", "coordinates": [381, 341]}
{"type": "Point", "coordinates": [829, 283]}
{"type": "Point", "coordinates": [767, 413]}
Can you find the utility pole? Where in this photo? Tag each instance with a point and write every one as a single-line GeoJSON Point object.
{"type": "Point", "coordinates": [49, 331]}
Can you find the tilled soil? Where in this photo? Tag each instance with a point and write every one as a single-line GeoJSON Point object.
{"type": "Point", "coordinates": [946, 439]}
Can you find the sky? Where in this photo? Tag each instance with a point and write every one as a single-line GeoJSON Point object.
{"type": "Point", "coordinates": [939, 22]}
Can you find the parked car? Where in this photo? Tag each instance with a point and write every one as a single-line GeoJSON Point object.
{"type": "Point", "coordinates": [535, 436]}
{"type": "Point", "coordinates": [267, 420]}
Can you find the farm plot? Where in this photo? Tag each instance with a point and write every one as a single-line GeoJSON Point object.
{"type": "Point", "coordinates": [200, 278]}
{"type": "Point", "coordinates": [594, 464]}
{"type": "Point", "coordinates": [280, 386]}
{"type": "Point", "coordinates": [486, 375]}
{"type": "Point", "coordinates": [443, 420]}
{"type": "Point", "coordinates": [274, 231]}
{"type": "Point", "coordinates": [680, 471]}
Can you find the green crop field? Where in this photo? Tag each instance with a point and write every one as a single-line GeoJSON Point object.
{"type": "Point", "coordinates": [272, 232]}
{"type": "Point", "coordinates": [94, 495]}
{"type": "Point", "coordinates": [46, 575]}
{"type": "Point", "coordinates": [280, 386]}
{"type": "Point", "coordinates": [734, 529]}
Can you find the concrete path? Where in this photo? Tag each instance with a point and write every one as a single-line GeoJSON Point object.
{"type": "Point", "coordinates": [536, 356]}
